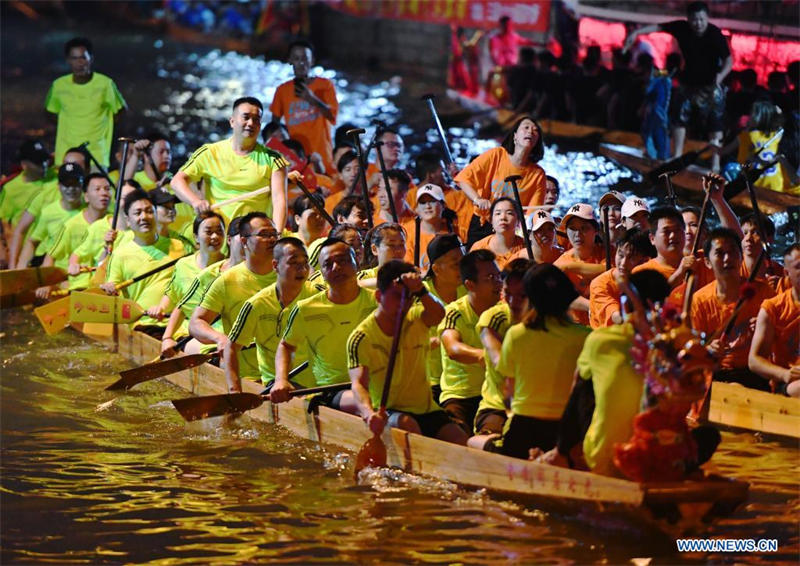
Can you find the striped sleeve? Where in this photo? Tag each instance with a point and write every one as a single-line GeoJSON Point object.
{"type": "Point", "coordinates": [353, 344]}
{"type": "Point", "coordinates": [451, 318]}
{"type": "Point", "coordinates": [242, 332]}
{"type": "Point", "coordinates": [293, 334]}
{"type": "Point", "coordinates": [191, 291]}
{"type": "Point", "coordinates": [193, 167]}
{"type": "Point", "coordinates": [497, 321]}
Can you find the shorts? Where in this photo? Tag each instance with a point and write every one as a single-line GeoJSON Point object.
{"type": "Point", "coordinates": [525, 433]}
{"type": "Point", "coordinates": [152, 330]}
{"type": "Point", "coordinates": [332, 399]}
{"type": "Point", "coordinates": [742, 376]}
{"type": "Point", "coordinates": [490, 421]}
{"type": "Point", "coordinates": [702, 107]}
{"type": "Point", "coordinates": [436, 391]}
{"type": "Point", "coordinates": [462, 411]}
{"type": "Point", "coordinates": [429, 423]}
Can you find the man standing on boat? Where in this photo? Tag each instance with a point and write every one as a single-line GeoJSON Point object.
{"type": "Point", "coordinates": [237, 166]}
{"type": "Point", "coordinates": [708, 61]}
{"type": "Point", "coordinates": [229, 291]}
{"type": "Point", "coordinates": [775, 349]}
{"type": "Point", "coordinates": [410, 405]}
{"type": "Point", "coordinates": [86, 103]}
{"type": "Point", "coordinates": [322, 323]}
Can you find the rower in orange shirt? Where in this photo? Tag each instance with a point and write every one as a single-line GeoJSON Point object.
{"type": "Point", "coordinates": [713, 305]}
{"type": "Point", "coordinates": [429, 170]}
{"type": "Point", "coordinates": [632, 249]}
{"type": "Point", "coordinates": [775, 349]}
{"type": "Point", "coordinates": [399, 183]}
{"type": "Point", "coordinates": [430, 209]}
{"type": "Point", "coordinates": [542, 230]}
{"type": "Point", "coordinates": [667, 233]}
{"type": "Point", "coordinates": [586, 259]}
{"type": "Point", "coordinates": [770, 271]}
{"type": "Point", "coordinates": [505, 244]}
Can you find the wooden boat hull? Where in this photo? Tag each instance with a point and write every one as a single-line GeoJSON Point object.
{"type": "Point", "coordinates": [739, 407]}
{"type": "Point", "coordinates": [673, 508]}
{"type": "Point", "coordinates": [691, 179]}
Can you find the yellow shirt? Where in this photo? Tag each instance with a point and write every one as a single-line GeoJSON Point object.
{"type": "Point", "coordinates": [51, 220]}
{"type": "Point", "coordinates": [227, 294]}
{"type": "Point", "coordinates": [263, 318]}
{"type": "Point", "coordinates": [433, 367]}
{"type": "Point", "coordinates": [369, 347]}
{"type": "Point", "coordinates": [226, 175]}
{"type": "Point", "coordinates": [542, 364]}
{"type": "Point", "coordinates": [15, 196]}
{"type": "Point", "coordinates": [72, 233]}
{"type": "Point", "coordinates": [460, 380]}
{"type": "Point", "coordinates": [773, 178]}
{"type": "Point", "coordinates": [85, 113]}
{"type": "Point", "coordinates": [606, 360]}
{"type": "Point", "coordinates": [324, 327]}
{"type": "Point", "coordinates": [498, 319]}
{"type": "Point", "coordinates": [130, 259]}
{"type": "Point", "coordinates": [91, 247]}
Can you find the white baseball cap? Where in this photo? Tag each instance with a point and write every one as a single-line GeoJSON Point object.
{"type": "Point", "coordinates": [538, 219]}
{"type": "Point", "coordinates": [632, 205]}
{"type": "Point", "coordinates": [611, 195]}
{"type": "Point", "coordinates": [431, 190]}
{"type": "Point", "coordinates": [580, 210]}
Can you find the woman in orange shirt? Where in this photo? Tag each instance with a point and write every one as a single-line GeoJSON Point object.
{"type": "Point", "coordinates": [430, 208]}
{"type": "Point", "coordinates": [504, 242]}
{"type": "Point", "coordinates": [483, 180]}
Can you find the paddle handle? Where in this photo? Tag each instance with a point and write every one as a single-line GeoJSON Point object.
{"type": "Point", "coordinates": [417, 229]}
{"type": "Point", "coordinates": [355, 134]}
{"type": "Point", "coordinates": [146, 274]}
{"type": "Point", "coordinates": [521, 213]}
{"type": "Point", "coordinates": [398, 327]}
{"type": "Point", "coordinates": [320, 209]}
{"type": "Point", "coordinates": [318, 389]}
{"type": "Point", "coordinates": [607, 238]}
{"type": "Point", "coordinates": [439, 129]}
{"type": "Point", "coordinates": [385, 175]}
{"type": "Point", "coordinates": [244, 196]}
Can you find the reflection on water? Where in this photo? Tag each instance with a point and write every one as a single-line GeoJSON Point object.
{"type": "Point", "coordinates": [90, 476]}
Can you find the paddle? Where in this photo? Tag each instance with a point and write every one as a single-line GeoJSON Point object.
{"type": "Point", "coordinates": [320, 209]}
{"type": "Point", "coordinates": [677, 164]}
{"type": "Point", "coordinates": [607, 238]}
{"type": "Point", "coordinates": [355, 133]}
{"type": "Point", "coordinates": [241, 197]}
{"type": "Point", "coordinates": [385, 176]}
{"type": "Point", "coordinates": [373, 452]}
{"type": "Point", "coordinates": [521, 213]}
{"type": "Point", "coordinates": [690, 279]}
{"type": "Point", "coordinates": [103, 171]}
{"type": "Point", "coordinates": [429, 99]}
{"type": "Point", "coordinates": [94, 307]}
{"type": "Point", "coordinates": [197, 408]}
{"type": "Point", "coordinates": [417, 228]}
{"type": "Point", "coordinates": [160, 367]}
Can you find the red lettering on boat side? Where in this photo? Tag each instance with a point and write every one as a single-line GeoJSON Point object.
{"type": "Point", "coordinates": [126, 311]}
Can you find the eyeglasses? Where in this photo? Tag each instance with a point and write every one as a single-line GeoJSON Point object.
{"type": "Point", "coordinates": [264, 235]}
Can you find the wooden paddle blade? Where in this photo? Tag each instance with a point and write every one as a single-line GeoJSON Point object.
{"type": "Point", "coordinates": [16, 280]}
{"type": "Point", "coordinates": [196, 408]}
{"type": "Point", "coordinates": [93, 307]}
{"type": "Point", "coordinates": [372, 454]}
{"type": "Point", "coordinates": [54, 316]}
{"type": "Point", "coordinates": [135, 376]}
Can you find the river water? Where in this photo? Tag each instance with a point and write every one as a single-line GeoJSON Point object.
{"type": "Point", "coordinates": [90, 476]}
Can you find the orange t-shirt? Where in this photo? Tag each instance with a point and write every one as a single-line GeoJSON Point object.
{"type": "Point", "coordinates": [487, 174]}
{"type": "Point", "coordinates": [710, 315]}
{"type": "Point", "coordinates": [784, 313]}
{"type": "Point", "coordinates": [581, 282]}
{"type": "Point", "coordinates": [662, 268]}
{"type": "Point", "coordinates": [424, 239]}
{"type": "Point", "coordinates": [304, 121]}
{"type": "Point", "coordinates": [604, 299]}
{"type": "Point", "coordinates": [456, 201]}
{"type": "Point", "coordinates": [503, 259]}
{"type": "Point", "coordinates": [774, 269]}
{"type": "Point", "coordinates": [703, 276]}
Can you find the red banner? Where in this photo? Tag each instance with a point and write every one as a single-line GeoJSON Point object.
{"type": "Point", "coordinates": [527, 15]}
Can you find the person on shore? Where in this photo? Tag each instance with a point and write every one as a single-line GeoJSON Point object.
{"type": "Point", "coordinates": [707, 61]}
{"type": "Point", "coordinates": [143, 252]}
{"type": "Point", "coordinates": [236, 166]}
{"type": "Point", "coordinates": [226, 295]}
{"type": "Point", "coordinates": [483, 180]}
{"type": "Point", "coordinates": [409, 405]}
{"type": "Point", "coordinates": [492, 326]}
{"type": "Point", "coordinates": [263, 315]}
{"type": "Point", "coordinates": [307, 105]}
{"type": "Point", "coordinates": [504, 43]}
{"type": "Point", "coordinates": [443, 281]}
{"type": "Point", "coordinates": [176, 334]}
{"type": "Point", "coordinates": [86, 103]}
{"type": "Point", "coordinates": [322, 323]}
{"type": "Point", "coordinates": [775, 348]}
{"type": "Point", "coordinates": [504, 243]}
{"type": "Point", "coordinates": [538, 398]}
{"type": "Point", "coordinates": [585, 260]}
{"type": "Point", "coordinates": [97, 194]}
{"type": "Point", "coordinates": [463, 369]}
{"type": "Point", "coordinates": [713, 305]}
{"type": "Point", "coordinates": [632, 249]}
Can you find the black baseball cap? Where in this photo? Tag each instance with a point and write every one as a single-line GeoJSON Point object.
{"type": "Point", "coordinates": [71, 174]}
{"type": "Point", "coordinates": [33, 150]}
{"type": "Point", "coordinates": [161, 197]}
{"type": "Point", "coordinates": [440, 245]}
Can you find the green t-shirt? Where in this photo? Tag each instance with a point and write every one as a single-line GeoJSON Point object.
{"type": "Point", "coordinates": [91, 247]}
{"type": "Point", "coordinates": [368, 346]}
{"type": "Point", "coordinates": [433, 366]}
{"type": "Point", "coordinates": [226, 295]}
{"type": "Point", "coordinates": [606, 360]}
{"type": "Point", "coordinates": [15, 196]}
{"type": "Point", "coordinates": [324, 327]}
{"type": "Point", "coordinates": [460, 380]}
{"type": "Point", "coordinates": [85, 113]}
{"type": "Point", "coordinates": [71, 235]}
{"type": "Point", "coordinates": [226, 175]}
{"type": "Point", "coordinates": [498, 319]}
{"type": "Point", "coordinates": [130, 259]}
{"type": "Point", "coordinates": [51, 220]}
{"type": "Point", "coordinates": [542, 384]}
{"type": "Point", "coordinates": [263, 319]}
